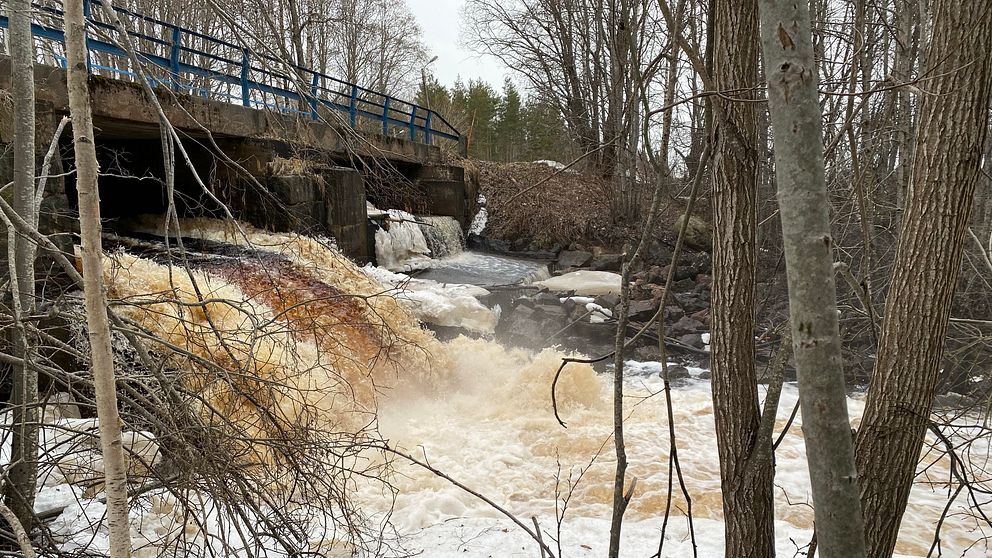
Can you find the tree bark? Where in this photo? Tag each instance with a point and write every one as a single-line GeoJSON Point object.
{"type": "Point", "coordinates": [23, 472]}
{"type": "Point", "coordinates": [96, 301]}
{"type": "Point", "coordinates": [746, 482]}
{"type": "Point", "coordinates": [802, 193]}
{"type": "Point", "coordinates": [950, 137]}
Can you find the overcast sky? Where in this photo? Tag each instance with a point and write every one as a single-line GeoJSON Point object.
{"type": "Point", "coordinates": [441, 20]}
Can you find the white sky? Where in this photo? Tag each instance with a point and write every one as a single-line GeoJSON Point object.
{"type": "Point", "coordinates": [441, 22]}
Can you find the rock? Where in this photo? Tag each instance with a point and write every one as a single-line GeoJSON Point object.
{"type": "Point", "coordinates": [699, 232]}
{"type": "Point", "coordinates": [691, 303]}
{"type": "Point", "coordinates": [574, 258]}
{"type": "Point", "coordinates": [685, 285]}
{"type": "Point", "coordinates": [656, 251]}
{"type": "Point", "coordinates": [546, 299]}
{"type": "Point", "coordinates": [692, 340]}
{"type": "Point", "coordinates": [656, 274]}
{"type": "Point", "coordinates": [606, 262]}
{"type": "Point", "coordinates": [677, 372]}
{"type": "Point", "coordinates": [705, 375]}
{"type": "Point", "coordinates": [684, 272]}
{"type": "Point", "coordinates": [647, 353]}
{"type": "Point", "coordinates": [703, 316]}
{"type": "Point", "coordinates": [569, 306]}
{"type": "Point", "coordinates": [521, 326]}
{"type": "Point", "coordinates": [673, 313]}
{"type": "Point", "coordinates": [642, 310]}
{"type": "Point", "coordinates": [608, 300]}
{"type": "Point", "coordinates": [704, 279]}
{"type": "Point", "coordinates": [687, 325]}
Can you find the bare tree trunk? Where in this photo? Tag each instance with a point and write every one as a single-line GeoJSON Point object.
{"type": "Point", "coordinates": [23, 472]}
{"type": "Point", "coordinates": [96, 300]}
{"type": "Point", "coordinates": [802, 194]}
{"type": "Point", "coordinates": [950, 138]}
{"type": "Point", "coordinates": [747, 490]}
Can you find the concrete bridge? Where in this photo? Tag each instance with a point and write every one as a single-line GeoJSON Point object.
{"type": "Point", "coordinates": [280, 156]}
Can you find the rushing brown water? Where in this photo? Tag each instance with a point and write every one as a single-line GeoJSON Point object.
{"type": "Point", "coordinates": [298, 314]}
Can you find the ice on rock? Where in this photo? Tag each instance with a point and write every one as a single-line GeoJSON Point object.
{"type": "Point", "coordinates": [584, 283]}
{"type": "Point", "coordinates": [402, 247]}
{"type": "Point", "coordinates": [479, 222]}
{"type": "Point", "coordinates": [443, 304]}
{"type": "Point", "coordinates": [598, 314]}
{"type": "Point", "coordinates": [59, 497]}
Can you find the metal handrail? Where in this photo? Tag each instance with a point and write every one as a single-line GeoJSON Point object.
{"type": "Point", "coordinates": [251, 78]}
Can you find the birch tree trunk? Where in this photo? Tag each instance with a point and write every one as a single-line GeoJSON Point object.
{"type": "Point", "coordinates": [802, 194]}
{"type": "Point", "coordinates": [952, 128]}
{"type": "Point", "coordinates": [746, 479]}
{"type": "Point", "coordinates": [96, 300]}
{"type": "Point", "coordinates": [23, 473]}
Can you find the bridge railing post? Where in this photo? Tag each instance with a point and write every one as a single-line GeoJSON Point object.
{"type": "Point", "coordinates": [177, 37]}
{"type": "Point", "coordinates": [427, 127]}
{"type": "Point", "coordinates": [353, 106]}
{"type": "Point", "coordinates": [385, 116]}
{"type": "Point", "coordinates": [413, 122]}
{"type": "Point", "coordinates": [313, 95]}
{"type": "Point", "coordinates": [245, 68]}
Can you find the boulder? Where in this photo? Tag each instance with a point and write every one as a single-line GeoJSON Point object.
{"type": "Point", "coordinates": [606, 262]}
{"type": "Point", "coordinates": [684, 285]}
{"type": "Point", "coordinates": [546, 299]}
{"type": "Point", "coordinates": [692, 340]}
{"type": "Point", "coordinates": [677, 372]}
{"type": "Point", "coordinates": [698, 233]}
{"type": "Point", "coordinates": [687, 325]}
{"type": "Point", "coordinates": [608, 300]}
{"type": "Point", "coordinates": [673, 313]}
{"type": "Point", "coordinates": [703, 316]}
{"type": "Point", "coordinates": [574, 258]}
{"type": "Point", "coordinates": [642, 310]}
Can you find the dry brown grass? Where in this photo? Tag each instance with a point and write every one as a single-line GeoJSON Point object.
{"type": "Point", "coordinates": [566, 208]}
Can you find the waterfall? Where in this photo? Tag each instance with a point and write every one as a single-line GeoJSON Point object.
{"type": "Point", "coordinates": [443, 234]}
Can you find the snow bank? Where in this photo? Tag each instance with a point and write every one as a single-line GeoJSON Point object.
{"type": "Point", "coordinates": [443, 304]}
{"type": "Point", "coordinates": [584, 283]}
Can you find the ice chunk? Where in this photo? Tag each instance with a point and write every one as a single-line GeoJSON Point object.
{"type": "Point", "coordinates": [479, 222]}
{"type": "Point", "coordinates": [401, 246]}
{"type": "Point", "coordinates": [584, 283]}
{"type": "Point", "coordinates": [443, 304]}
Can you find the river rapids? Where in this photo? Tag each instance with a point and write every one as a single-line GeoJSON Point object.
{"type": "Point", "coordinates": [319, 341]}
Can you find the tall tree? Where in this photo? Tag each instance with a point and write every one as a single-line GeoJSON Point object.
{"type": "Point", "coordinates": [24, 450]}
{"type": "Point", "coordinates": [509, 125]}
{"type": "Point", "coordinates": [786, 38]}
{"type": "Point", "coordinates": [93, 289]}
{"type": "Point", "coordinates": [951, 133]}
{"type": "Point", "coordinates": [746, 478]}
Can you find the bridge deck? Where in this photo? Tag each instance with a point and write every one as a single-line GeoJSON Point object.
{"type": "Point", "coordinates": [121, 109]}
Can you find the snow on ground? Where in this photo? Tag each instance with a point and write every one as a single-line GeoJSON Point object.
{"type": "Point", "coordinates": [451, 305]}
{"type": "Point", "coordinates": [584, 283]}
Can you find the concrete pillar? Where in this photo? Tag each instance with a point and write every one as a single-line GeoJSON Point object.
{"type": "Point", "coordinates": [345, 214]}
{"type": "Point", "coordinates": [448, 192]}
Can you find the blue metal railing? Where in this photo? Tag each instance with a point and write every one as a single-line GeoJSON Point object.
{"type": "Point", "coordinates": [196, 63]}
